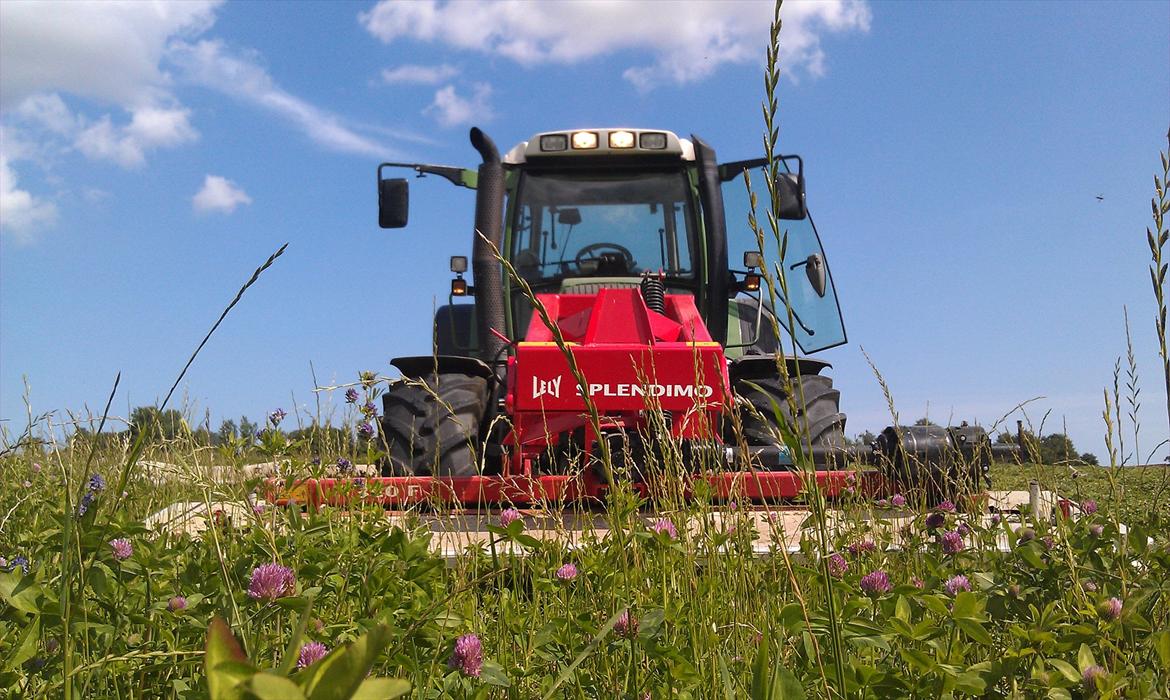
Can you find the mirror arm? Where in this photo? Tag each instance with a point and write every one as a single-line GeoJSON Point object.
{"type": "Point", "coordinates": [456, 176]}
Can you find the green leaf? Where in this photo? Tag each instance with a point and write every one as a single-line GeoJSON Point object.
{"type": "Point", "coordinates": [902, 609]}
{"type": "Point", "coordinates": [1085, 658]}
{"type": "Point", "coordinates": [225, 663]}
{"type": "Point", "coordinates": [381, 689]}
{"type": "Point", "coordinates": [1066, 669]}
{"type": "Point", "coordinates": [919, 660]}
{"type": "Point", "coordinates": [292, 651]}
{"type": "Point", "coordinates": [341, 672]}
{"type": "Point", "coordinates": [493, 674]}
{"type": "Point", "coordinates": [970, 683]}
{"type": "Point", "coordinates": [20, 591]}
{"type": "Point", "coordinates": [27, 646]}
{"type": "Point", "coordinates": [770, 680]}
{"type": "Point", "coordinates": [974, 630]}
{"type": "Point", "coordinates": [269, 686]}
{"type": "Point", "coordinates": [965, 605]}
{"type": "Point", "coordinates": [1161, 642]}
{"type": "Point", "coordinates": [589, 648]}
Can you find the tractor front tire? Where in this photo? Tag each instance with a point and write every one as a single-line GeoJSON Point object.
{"type": "Point", "coordinates": [820, 408]}
{"type": "Point", "coordinates": [431, 427]}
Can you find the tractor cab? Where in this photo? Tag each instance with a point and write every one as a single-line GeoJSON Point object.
{"type": "Point", "coordinates": [574, 212]}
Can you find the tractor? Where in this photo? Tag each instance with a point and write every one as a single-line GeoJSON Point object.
{"type": "Point", "coordinates": [606, 319]}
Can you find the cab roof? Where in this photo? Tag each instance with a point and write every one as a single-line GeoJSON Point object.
{"type": "Point", "coordinates": [583, 144]}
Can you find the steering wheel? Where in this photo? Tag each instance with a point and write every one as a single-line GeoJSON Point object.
{"type": "Point", "coordinates": [594, 251]}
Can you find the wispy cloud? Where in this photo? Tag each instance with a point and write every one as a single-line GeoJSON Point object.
{"type": "Point", "coordinates": [210, 64]}
{"type": "Point", "coordinates": [419, 75]}
{"type": "Point", "coordinates": [689, 40]}
{"type": "Point", "coordinates": [219, 194]}
{"type": "Point", "coordinates": [21, 214]}
{"type": "Point", "coordinates": [450, 109]}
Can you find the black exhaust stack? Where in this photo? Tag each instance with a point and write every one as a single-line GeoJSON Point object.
{"type": "Point", "coordinates": [489, 212]}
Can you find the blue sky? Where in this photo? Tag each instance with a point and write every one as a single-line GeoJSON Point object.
{"type": "Point", "coordinates": [151, 156]}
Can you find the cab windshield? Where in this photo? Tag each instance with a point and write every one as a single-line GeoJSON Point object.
{"type": "Point", "coordinates": [573, 224]}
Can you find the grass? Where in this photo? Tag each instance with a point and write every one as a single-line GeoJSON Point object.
{"type": "Point", "coordinates": [1138, 495]}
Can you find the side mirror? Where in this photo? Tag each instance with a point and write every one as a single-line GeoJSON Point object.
{"type": "Point", "coordinates": [790, 190]}
{"type": "Point", "coordinates": [393, 203]}
{"type": "Point", "coordinates": [753, 259]}
{"type": "Point", "coordinates": [814, 267]}
{"type": "Point", "coordinates": [570, 216]}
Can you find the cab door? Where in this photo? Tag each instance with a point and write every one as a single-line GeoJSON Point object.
{"type": "Point", "coordinates": [816, 322]}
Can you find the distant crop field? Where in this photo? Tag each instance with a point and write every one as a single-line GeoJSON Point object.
{"type": "Point", "coordinates": [1138, 495]}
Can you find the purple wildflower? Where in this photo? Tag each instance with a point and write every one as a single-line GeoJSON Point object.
{"type": "Point", "coordinates": [258, 509]}
{"type": "Point", "coordinates": [952, 542]}
{"type": "Point", "coordinates": [851, 478]}
{"type": "Point", "coordinates": [276, 416]}
{"type": "Point", "coordinates": [1088, 507]}
{"type": "Point", "coordinates": [917, 582]}
{"type": "Point", "coordinates": [882, 503]}
{"type": "Point", "coordinates": [862, 547]}
{"type": "Point", "coordinates": [1097, 530]}
{"type": "Point", "coordinates": [957, 584]}
{"type": "Point", "coordinates": [1048, 541]}
{"type": "Point", "coordinates": [897, 500]}
{"type": "Point", "coordinates": [509, 516]}
{"type": "Point", "coordinates": [850, 491]}
{"type": "Point", "coordinates": [626, 625]}
{"type": "Point", "coordinates": [96, 482]}
{"type": "Point", "coordinates": [19, 563]}
{"type": "Point", "coordinates": [177, 604]}
{"type": "Point", "coordinates": [568, 572]}
{"type": "Point", "coordinates": [311, 653]}
{"type": "Point", "coordinates": [365, 429]}
{"type": "Point", "coordinates": [935, 521]}
{"type": "Point", "coordinates": [84, 504]}
{"type": "Point", "coordinates": [837, 565]}
{"type": "Point", "coordinates": [1025, 534]}
{"type": "Point", "coordinates": [122, 548]}
{"type": "Point", "coordinates": [876, 583]}
{"type": "Point", "coordinates": [369, 408]}
{"type": "Point", "coordinates": [1109, 610]}
{"type": "Point", "coordinates": [663, 526]}
{"type": "Point", "coordinates": [271, 581]}
{"type": "Point", "coordinates": [996, 519]}
{"type": "Point", "coordinates": [3, 563]}
{"type": "Point", "coordinates": [344, 465]}
{"type": "Point", "coordinates": [947, 507]}
{"type": "Point", "coordinates": [36, 467]}
{"type": "Point", "coordinates": [351, 395]}
{"type": "Point", "coordinates": [1090, 675]}
{"type": "Point", "coordinates": [467, 656]}
{"type": "Point", "coordinates": [963, 529]}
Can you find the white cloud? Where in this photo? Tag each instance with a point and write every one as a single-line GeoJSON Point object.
{"type": "Point", "coordinates": [107, 51]}
{"type": "Point", "coordinates": [219, 195]}
{"type": "Point", "coordinates": [149, 128]}
{"type": "Point", "coordinates": [419, 75]}
{"type": "Point", "coordinates": [209, 64]}
{"type": "Point", "coordinates": [21, 214]}
{"type": "Point", "coordinates": [689, 39]}
{"type": "Point", "coordinates": [449, 109]}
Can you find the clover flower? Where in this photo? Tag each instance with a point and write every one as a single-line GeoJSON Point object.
{"type": "Point", "coordinates": [952, 542]}
{"type": "Point", "coordinates": [626, 625]}
{"type": "Point", "coordinates": [663, 526]}
{"type": "Point", "coordinates": [467, 656]}
{"type": "Point", "coordinates": [876, 583]}
{"type": "Point", "coordinates": [509, 516]}
{"type": "Point", "coordinates": [897, 500]}
{"type": "Point", "coordinates": [837, 565]}
{"type": "Point", "coordinates": [122, 548]}
{"type": "Point", "coordinates": [177, 604]}
{"type": "Point", "coordinates": [351, 395]}
{"type": "Point", "coordinates": [311, 653]}
{"type": "Point", "coordinates": [917, 582]}
{"type": "Point", "coordinates": [935, 521]}
{"type": "Point", "coordinates": [957, 584]}
{"type": "Point", "coordinates": [271, 581]}
{"type": "Point", "coordinates": [1090, 675]}
{"type": "Point", "coordinates": [568, 572]}
{"type": "Point", "coordinates": [882, 503]}
{"type": "Point", "coordinates": [258, 509]}
{"type": "Point", "coordinates": [963, 529]}
{"type": "Point", "coordinates": [276, 416]}
{"type": "Point", "coordinates": [995, 519]}
{"type": "Point", "coordinates": [1097, 530]}
{"type": "Point", "coordinates": [947, 506]}
{"type": "Point", "coordinates": [1109, 610]}
{"type": "Point", "coordinates": [862, 547]}
{"type": "Point", "coordinates": [36, 467]}
{"type": "Point", "coordinates": [1088, 507]}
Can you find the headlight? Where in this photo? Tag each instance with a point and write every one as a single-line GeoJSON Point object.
{"type": "Point", "coordinates": [621, 139]}
{"type": "Point", "coordinates": [554, 142]}
{"type": "Point", "coordinates": [584, 140]}
{"type": "Point", "coordinates": [653, 141]}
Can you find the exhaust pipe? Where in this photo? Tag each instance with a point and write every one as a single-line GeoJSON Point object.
{"type": "Point", "coordinates": [489, 213]}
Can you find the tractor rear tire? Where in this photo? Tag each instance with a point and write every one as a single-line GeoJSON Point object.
{"type": "Point", "coordinates": [432, 428]}
{"type": "Point", "coordinates": [826, 423]}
